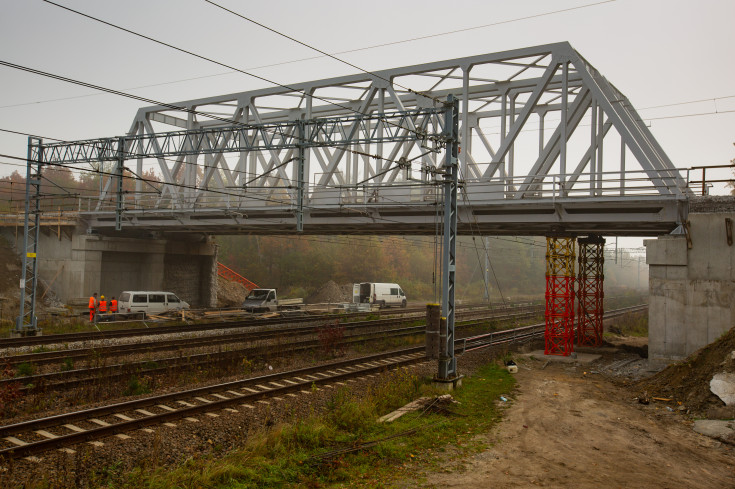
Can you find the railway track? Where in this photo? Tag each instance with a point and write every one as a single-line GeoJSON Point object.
{"type": "Point", "coordinates": [67, 338]}
{"type": "Point", "coordinates": [94, 376]}
{"type": "Point", "coordinates": [31, 438]}
{"type": "Point", "coordinates": [177, 344]}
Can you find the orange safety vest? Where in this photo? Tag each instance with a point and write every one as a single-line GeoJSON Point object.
{"type": "Point", "coordinates": [103, 306]}
{"type": "Point", "coordinates": [92, 302]}
{"type": "Point", "coordinates": [113, 305]}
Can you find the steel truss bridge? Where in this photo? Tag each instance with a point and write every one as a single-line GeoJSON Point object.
{"type": "Point", "coordinates": [530, 141]}
{"type": "Point", "coordinates": [547, 144]}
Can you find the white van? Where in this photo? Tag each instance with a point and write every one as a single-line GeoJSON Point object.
{"type": "Point", "coordinates": [149, 302]}
{"type": "Point", "coordinates": [384, 295]}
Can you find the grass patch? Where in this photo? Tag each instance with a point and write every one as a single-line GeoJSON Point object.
{"type": "Point", "coordinates": [291, 455]}
{"type": "Point", "coordinates": [634, 324]}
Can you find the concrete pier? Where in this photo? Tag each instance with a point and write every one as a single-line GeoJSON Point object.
{"type": "Point", "coordinates": [692, 289]}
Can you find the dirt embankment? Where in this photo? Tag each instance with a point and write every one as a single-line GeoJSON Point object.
{"type": "Point", "coordinates": [688, 381]}
{"type": "Point", "coordinates": [567, 427]}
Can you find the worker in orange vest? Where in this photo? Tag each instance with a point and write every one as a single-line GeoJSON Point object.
{"type": "Point", "coordinates": [92, 306]}
{"type": "Point", "coordinates": [103, 305]}
{"type": "Point", "coordinates": [113, 305]}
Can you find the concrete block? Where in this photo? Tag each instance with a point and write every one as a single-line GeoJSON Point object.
{"type": "Point", "coordinates": [666, 250]}
{"type": "Point", "coordinates": [668, 272]}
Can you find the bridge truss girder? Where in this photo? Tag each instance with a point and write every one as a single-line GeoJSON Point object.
{"type": "Point", "coordinates": [568, 152]}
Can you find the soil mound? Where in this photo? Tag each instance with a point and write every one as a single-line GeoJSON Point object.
{"type": "Point", "coordinates": [230, 294]}
{"type": "Point", "coordinates": [331, 292]}
{"type": "Point", "coordinates": [688, 381]}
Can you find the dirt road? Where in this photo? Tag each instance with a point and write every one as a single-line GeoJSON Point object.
{"type": "Point", "coordinates": [567, 429]}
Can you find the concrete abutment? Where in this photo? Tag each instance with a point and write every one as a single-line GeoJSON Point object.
{"type": "Point", "coordinates": [76, 264]}
{"type": "Point", "coordinates": [691, 290]}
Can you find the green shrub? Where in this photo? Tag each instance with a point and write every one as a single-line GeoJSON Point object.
{"type": "Point", "coordinates": [136, 387]}
{"type": "Point", "coordinates": [25, 369]}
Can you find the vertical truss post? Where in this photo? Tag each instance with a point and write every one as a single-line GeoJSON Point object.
{"type": "Point", "coordinates": [26, 323]}
{"type": "Point", "coordinates": [301, 161]}
{"type": "Point", "coordinates": [448, 363]}
{"type": "Point", "coordinates": [590, 291]}
{"type": "Point", "coordinates": [559, 333]}
{"type": "Point", "coordinates": [119, 180]}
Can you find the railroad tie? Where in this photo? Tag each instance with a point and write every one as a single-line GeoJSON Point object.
{"type": "Point", "coordinates": [166, 408]}
{"type": "Point", "coordinates": [74, 428]}
{"type": "Point", "coordinates": [249, 406]}
{"type": "Point", "coordinates": [265, 388]}
{"type": "Point", "coordinates": [212, 415]}
{"type": "Point", "coordinates": [220, 396]}
{"type": "Point", "coordinates": [236, 394]}
{"type": "Point", "coordinates": [16, 441]}
{"type": "Point", "coordinates": [276, 384]}
{"type": "Point", "coordinates": [250, 390]}
{"type": "Point", "coordinates": [193, 420]}
{"type": "Point", "coordinates": [204, 400]}
{"type": "Point", "coordinates": [144, 412]}
{"type": "Point", "coordinates": [185, 404]}
{"type": "Point", "coordinates": [46, 434]}
{"type": "Point", "coordinates": [123, 417]}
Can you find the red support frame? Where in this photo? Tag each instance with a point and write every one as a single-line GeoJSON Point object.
{"type": "Point", "coordinates": [559, 333]}
{"type": "Point", "coordinates": [590, 294]}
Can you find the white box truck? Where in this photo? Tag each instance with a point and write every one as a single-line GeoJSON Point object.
{"type": "Point", "coordinates": [384, 295]}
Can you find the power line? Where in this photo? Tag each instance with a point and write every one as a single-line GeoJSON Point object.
{"type": "Point", "coordinates": [205, 58]}
{"type": "Point", "coordinates": [318, 50]}
{"type": "Point", "coordinates": [310, 58]}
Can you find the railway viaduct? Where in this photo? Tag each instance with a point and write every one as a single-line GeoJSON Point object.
{"type": "Point", "coordinates": [533, 141]}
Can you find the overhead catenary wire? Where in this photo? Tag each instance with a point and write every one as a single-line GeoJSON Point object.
{"type": "Point", "coordinates": [225, 65]}
{"type": "Point", "coordinates": [347, 51]}
{"type": "Point", "coordinates": [332, 56]}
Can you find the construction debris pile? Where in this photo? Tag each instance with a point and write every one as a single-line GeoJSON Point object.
{"type": "Point", "coordinates": [690, 382]}
{"type": "Point", "coordinates": [230, 293]}
{"type": "Point", "coordinates": [331, 293]}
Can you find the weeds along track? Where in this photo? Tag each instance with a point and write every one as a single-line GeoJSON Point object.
{"type": "Point", "coordinates": [31, 438]}
{"type": "Point", "coordinates": [250, 345]}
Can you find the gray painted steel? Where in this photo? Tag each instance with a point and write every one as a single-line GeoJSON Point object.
{"type": "Point", "coordinates": [362, 154]}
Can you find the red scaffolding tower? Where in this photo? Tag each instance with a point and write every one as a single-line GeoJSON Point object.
{"type": "Point", "coordinates": [559, 334]}
{"type": "Point", "coordinates": [590, 291]}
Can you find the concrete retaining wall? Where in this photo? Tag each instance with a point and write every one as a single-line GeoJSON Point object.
{"type": "Point", "coordinates": [692, 291]}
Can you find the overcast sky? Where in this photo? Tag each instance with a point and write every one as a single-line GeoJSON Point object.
{"type": "Point", "coordinates": [671, 53]}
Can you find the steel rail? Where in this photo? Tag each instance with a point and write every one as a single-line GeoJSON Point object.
{"type": "Point", "coordinates": [399, 358]}
{"type": "Point", "coordinates": [64, 380]}
{"type": "Point", "coordinates": [335, 372]}
{"type": "Point", "coordinates": [57, 356]}
{"type": "Point", "coordinates": [159, 330]}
